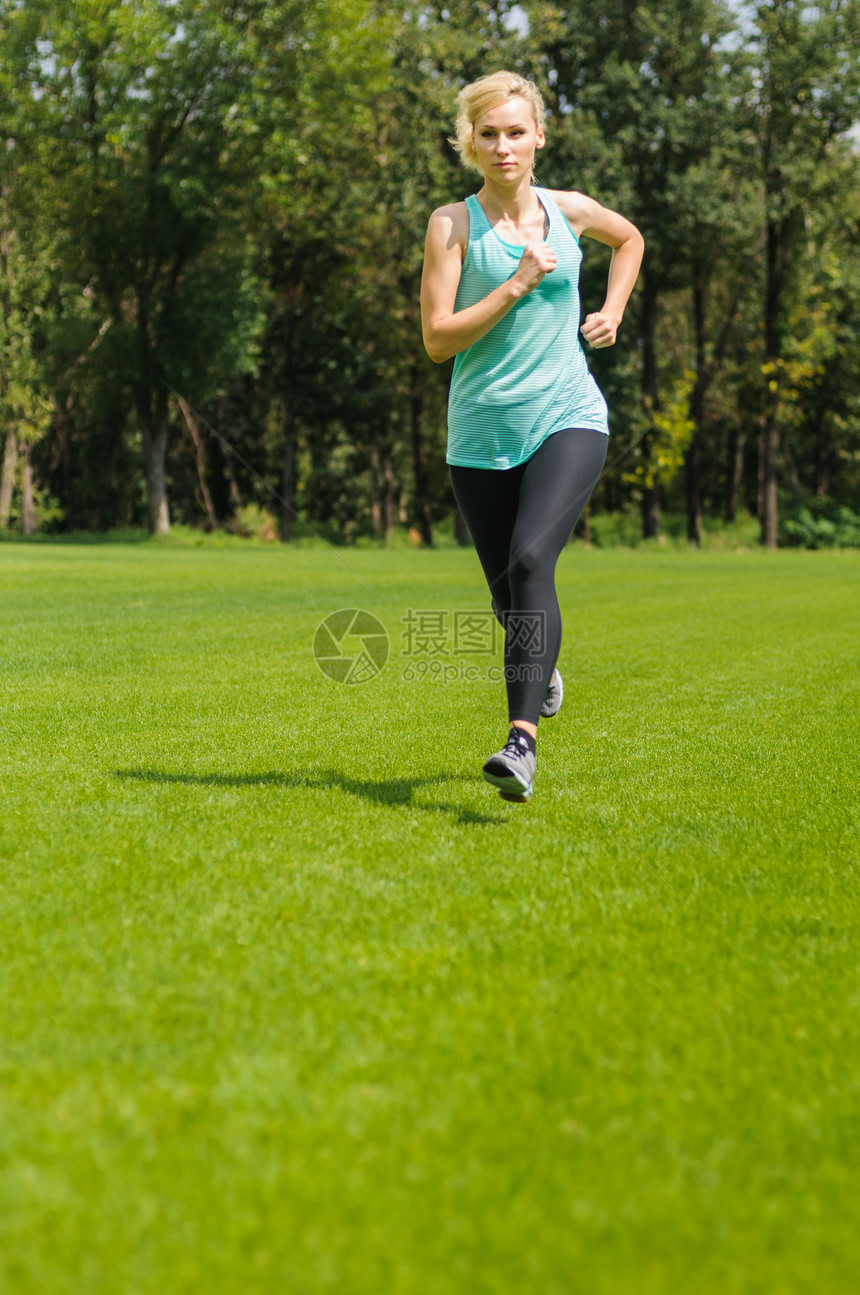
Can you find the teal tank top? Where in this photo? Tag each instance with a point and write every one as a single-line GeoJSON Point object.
{"type": "Point", "coordinates": [528, 376]}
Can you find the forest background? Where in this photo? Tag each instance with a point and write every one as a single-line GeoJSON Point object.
{"type": "Point", "coordinates": [212, 221]}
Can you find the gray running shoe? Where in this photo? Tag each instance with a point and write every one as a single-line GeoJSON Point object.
{"type": "Point", "coordinates": [513, 769]}
{"type": "Point", "coordinates": [554, 697]}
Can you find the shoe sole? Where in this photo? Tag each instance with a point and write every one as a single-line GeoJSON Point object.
{"type": "Point", "coordinates": [510, 788]}
{"type": "Point", "coordinates": [551, 714]}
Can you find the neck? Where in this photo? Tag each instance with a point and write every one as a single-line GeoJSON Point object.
{"type": "Point", "coordinates": [503, 200]}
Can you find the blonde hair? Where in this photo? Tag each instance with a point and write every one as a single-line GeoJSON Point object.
{"type": "Point", "coordinates": [482, 96]}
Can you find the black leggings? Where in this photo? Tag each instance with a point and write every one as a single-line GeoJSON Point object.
{"type": "Point", "coordinates": [520, 519]}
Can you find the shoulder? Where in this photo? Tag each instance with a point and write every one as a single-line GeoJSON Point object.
{"type": "Point", "coordinates": [452, 218]}
{"type": "Point", "coordinates": [577, 208]}
{"type": "Point", "coordinates": [586, 216]}
{"type": "Point", "coordinates": [448, 230]}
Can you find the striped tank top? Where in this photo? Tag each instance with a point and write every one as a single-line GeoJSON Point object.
{"type": "Point", "coordinates": [528, 376]}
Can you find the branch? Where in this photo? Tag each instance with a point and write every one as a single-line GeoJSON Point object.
{"type": "Point", "coordinates": [201, 466]}
{"type": "Point", "coordinates": [79, 359]}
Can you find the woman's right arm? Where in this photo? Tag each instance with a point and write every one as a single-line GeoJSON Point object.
{"type": "Point", "coordinates": [447, 333]}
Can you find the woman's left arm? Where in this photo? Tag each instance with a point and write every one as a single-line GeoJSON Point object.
{"type": "Point", "coordinates": [585, 216]}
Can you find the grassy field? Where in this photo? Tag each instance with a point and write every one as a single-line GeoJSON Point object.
{"type": "Point", "coordinates": [292, 1002]}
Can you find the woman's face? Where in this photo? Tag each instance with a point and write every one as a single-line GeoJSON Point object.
{"type": "Point", "coordinates": [505, 140]}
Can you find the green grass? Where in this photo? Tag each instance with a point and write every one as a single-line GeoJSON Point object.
{"type": "Point", "coordinates": [292, 1002]}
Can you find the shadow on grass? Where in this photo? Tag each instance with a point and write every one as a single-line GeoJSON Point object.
{"type": "Point", "coordinates": [389, 791]}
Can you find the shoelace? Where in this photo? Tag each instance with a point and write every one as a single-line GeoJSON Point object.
{"type": "Point", "coordinates": [516, 743]}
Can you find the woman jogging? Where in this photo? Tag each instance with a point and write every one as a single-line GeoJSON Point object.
{"type": "Point", "coordinates": [527, 424]}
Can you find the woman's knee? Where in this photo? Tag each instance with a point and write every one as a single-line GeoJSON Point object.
{"type": "Point", "coordinates": [527, 567]}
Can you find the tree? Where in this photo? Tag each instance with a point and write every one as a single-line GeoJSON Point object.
{"type": "Point", "coordinates": [25, 408]}
{"type": "Point", "coordinates": [136, 130]}
{"type": "Point", "coordinates": [639, 98]}
{"type": "Point", "coordinates": [804, 95]}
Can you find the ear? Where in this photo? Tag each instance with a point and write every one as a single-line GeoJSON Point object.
{"type": "Point", "coordinates": [541, 138]}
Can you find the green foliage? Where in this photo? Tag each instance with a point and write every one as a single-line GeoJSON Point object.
{"type": "Point", "coordinates": [25, 315]}
{"type": "Point", "coordinates": [615, 530]}
{"type": "Point", "coordinates": [251, 519]}
{"type": "Point", "coordinates": [823, 527]}
{"type": "Point", "coordinates": [624, 530]}
{"type": "Point", "coordinates": [47, 511]}
{"type": "Point", "coordinates": [663, 435]}
{"type": "Point", "coordinates": [232, 200]}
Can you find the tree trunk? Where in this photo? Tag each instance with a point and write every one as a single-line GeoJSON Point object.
{"type": "Point", "coordinates": [692, 472]}
{"type": "Point", "coordinates": [759, 495]}
{"type": "Point", "coordinates": [200, 460]}
{"type": "Point", "coordinates": [604, 495]}
{"type": "Point", "coordinates": [770, 451]}
{"type": "Point", "coordinates": [375, 502]}
{"type": "Point", "coordinates": [233, 496]}
{"type": "Point", "coordinates": [650, 493]}
{"type": "Point", "coordinates": [791, 465]}
{"type": "Point", "coordinates": [735, 469]}
{"type": "Point", "coordinates": [822, 456]}
{"type": "Point", "coordinates": [7, 478]}
{"type": "Point", "coordinates": [388, 495]}
{"type": "Point", "coordinates": [288, 485]}
{"type": "Point", "coordinates": [422, 483]}
{"type": "Point", "coordinates": [28, 510]}
{"type": "Point", "coordinates": [651, 513]}
{"type": "Point", "coordinates": [693, 457]}
{"type": "Point", "coordinates": [154, 427]}
{"type": "Point", "coordinates": [65, 425]}
{"type": "Point", "coordinates": [777, 238]}
{"type": "Point", "coordinates": [232, 484]}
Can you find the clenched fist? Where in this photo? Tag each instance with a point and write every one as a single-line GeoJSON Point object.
{"type": "Point", "coordinates": [600, 329]}
{"type": "Point", "coordinates": [537, 260]}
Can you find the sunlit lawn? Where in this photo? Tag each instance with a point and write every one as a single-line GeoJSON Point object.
{"type": "Point", "coordinates": [294, 1002]}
